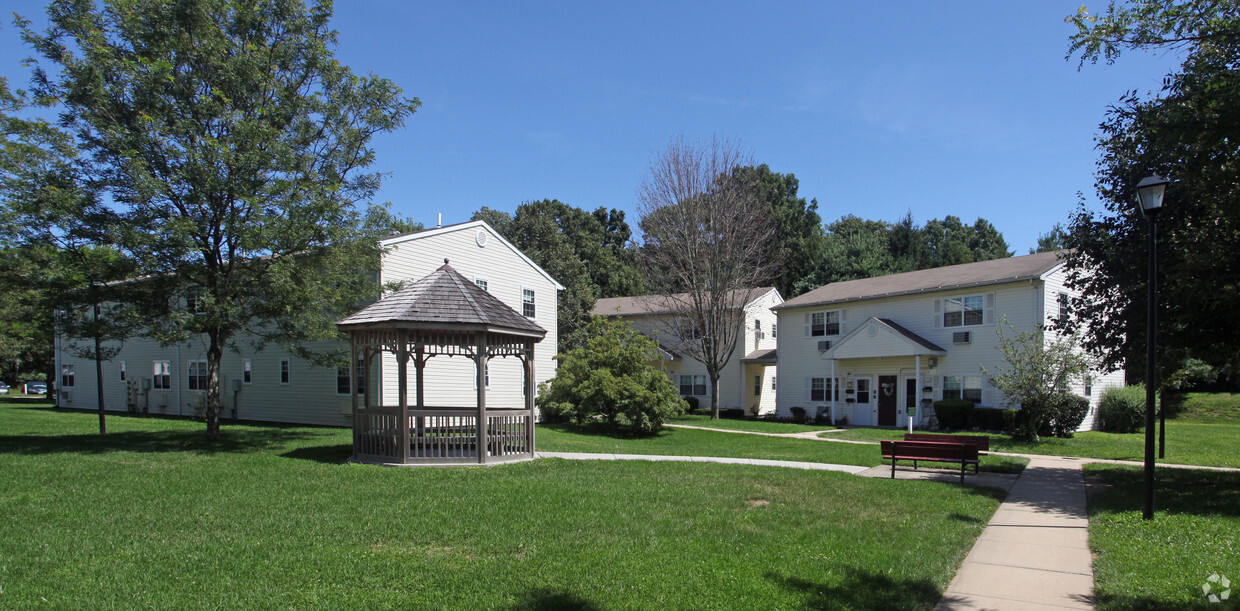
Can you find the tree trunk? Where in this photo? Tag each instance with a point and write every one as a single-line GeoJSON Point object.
{"type": "Point", "coordinates": [714, 394]}
{"type": "Point", "coordinates": [215, 353]}
{"type": "Point", "coordinates": [103, 429]}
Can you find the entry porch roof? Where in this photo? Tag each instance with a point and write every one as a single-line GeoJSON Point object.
{"type": "Point", "coordinates": [882, 337]}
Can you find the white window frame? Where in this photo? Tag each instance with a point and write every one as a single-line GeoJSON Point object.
{"type": "Point", "coordinates": [343, 372]}
{"type": "Point", "coordinates": [960, 303]}
{"type": "Point", "coordinates": [830, 386]}
{"type": "Point", "coordinates": [122, 371]}
{"type": "Point", "coordinates": [961, 386]}
{"type": "Point", "coordinates": [196, 378]}
{"type": "Point", "coordinates": [532, 303]}
{"type": "Point", "coordinates": [757, 385]}
{"type": "Point", "coordinates": [773, 383]}
{"type": "Point", "coordinates": [247, 371]}
{"type": "Point", "coordinates": [774, 330]}
{"type": "Point", "coordinates": [693, 385]}
{"type": "Point", "coordinates": [826, 316]}
{"type": "Point", "coordinates": [68, 375]}
{"type": "Point", "coordinates": [486, 374]}
{"type": "Point", "coordinates": [161, 375]}
{"type": "Point", "coordinates": [482, 283]}
{"type": "Point", "coordinates": [286, 371]}
{"type": "Point", "coordinates": [1064, 301]}
{"type": "Point", "coordinates": [193, 295]}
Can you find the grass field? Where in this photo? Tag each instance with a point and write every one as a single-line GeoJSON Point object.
{"type": "Point", "coordinates": [1162, 563]}
{"type": "Point", "coordinates": [693, 442]}
{"type": "Point", "coordinates": [1206, 432]}
{"type": "Point", "coordinates": [757, 426]}
{"type": "Point", "coordinates": [151, 516]}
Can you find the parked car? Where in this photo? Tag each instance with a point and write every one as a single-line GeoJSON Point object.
{"type": "Point", "coordinates": [36, 388]}
{"type": "Point", "coordinates": [4, 388]}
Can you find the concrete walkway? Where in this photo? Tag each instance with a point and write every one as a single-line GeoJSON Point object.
{"type": "Point", "coordinates": [1034, 552]}
{"type": "Point", "coordinates": [791, 464]}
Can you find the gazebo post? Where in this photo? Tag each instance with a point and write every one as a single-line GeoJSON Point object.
{"type": "Point", "coordinates": [402, 386]}
{"type": "Point", "coordinates": [419, 363]}
{"type": "Point", "coordinates": [529, 394]}
{"type": "Point", "coordinates": [480, 357]}
{"type": "Point", "coordinates": [352, 360]}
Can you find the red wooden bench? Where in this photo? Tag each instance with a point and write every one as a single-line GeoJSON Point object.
{"type": "Point", "coordinates": [981, 441]}
{"type": "Point", "coordinates": [929, 451]}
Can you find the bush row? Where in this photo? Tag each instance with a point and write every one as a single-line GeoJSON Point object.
{"type": "Point", "coordinates": [1122, 409]}
{"type": "Point", "coordinates": [1063, 414]}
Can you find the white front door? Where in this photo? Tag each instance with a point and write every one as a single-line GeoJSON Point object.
{"type": "Point", "coordinates": [863, 406]}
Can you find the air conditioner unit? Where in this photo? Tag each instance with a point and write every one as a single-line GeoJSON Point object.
{"type": "Point", "coordinates": [962, 337]}
{"type": "Point", "coordinates": [67, 396]}
{"type": "Point", "coordinates": [824, 345]}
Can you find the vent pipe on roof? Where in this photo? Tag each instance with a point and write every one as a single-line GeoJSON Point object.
{"type": "Point", "coordinates": [439, 221]}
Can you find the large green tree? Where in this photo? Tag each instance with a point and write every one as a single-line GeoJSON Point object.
{"type": "Point", "coordinates": [1188, 131]}
{"type": "Point", "coordinates": [587, 252]}
{"type": "Point", "coordinates": [234, 148]}
{"type": "Point", "coordinates": [798, 233]}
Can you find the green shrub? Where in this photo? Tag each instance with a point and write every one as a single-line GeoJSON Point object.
{"type": "Point", "coordinates": [953, 413]}
{"type": "Point", "coordinates": [693, 404]}
{"type": "Point", "coordinates": [733, 413]}
{"type": "Point", "coordinates": [798, 415]}
{"type": "Point", "coordinates": [1122, 409]}
{"type": "Point", "coordinates": [823, 417]}
{"type": "Point", "coordinates": [994, 419]}
{"type": "Point", "coordinates": [608, 379]}
{"type": "Point", "coordinates": [1066, 413]}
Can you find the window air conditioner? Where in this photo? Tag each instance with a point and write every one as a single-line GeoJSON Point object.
{"type": "Point", "coordinates": [824, 345]}
{"type": "Point", "coordinates": [962, 337]}
{"type": "Point", "coordinates": [67, 396]}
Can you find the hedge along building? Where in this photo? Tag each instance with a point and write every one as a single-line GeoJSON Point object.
{"type": "Point", "coordinates": [868, 350]}
{"type": "Point", "coordinates": [276, 386]}
{"type": "Point", "coordinates": [749, 379]}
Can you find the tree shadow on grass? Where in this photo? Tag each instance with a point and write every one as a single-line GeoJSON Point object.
{"type": "Point", "coordinates": [860, 589]}
{"type": "Point", "coordinates": [544, 599]}
{"type": "Point", "coordinates": [602, 429]}
{"type": "Point", "coordinates": [336, 454]}
{"type": "Point", "coordinates": [1189, 491]}
{"type": "Point", "coordinates": [232, 441]}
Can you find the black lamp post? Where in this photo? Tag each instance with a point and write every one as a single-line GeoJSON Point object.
{"type": "Point", "coordinates": [1150, 193]}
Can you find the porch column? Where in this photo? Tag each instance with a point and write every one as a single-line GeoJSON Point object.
{"type": "Point", "coordinates": [480, 358]}
{"type": "Point", "coordinates": [402, 386]}
{"type": "Point", "coordinates": [917, 401]}
{"type": "Point", "coordinates": [834, 392]}
{"type": "Point", "coordinates": [352, 364]}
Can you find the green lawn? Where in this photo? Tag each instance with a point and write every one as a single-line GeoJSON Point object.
{"type": "Point", "coordinates": [757, 426]}
{"type": "Point", "coordinates": [150, 516]}
{"type": "Point", "coordinates": [693, 442]}
{"type": "Point", "coordinates": [1206, 432]}
{"type": "Point", "coordinates": [1162, 563]}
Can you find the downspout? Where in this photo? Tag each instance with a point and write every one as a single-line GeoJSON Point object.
{"type": "Point", "coordinates": [178, 379]}
{"type": "Point", "coordinates": [834, 393]}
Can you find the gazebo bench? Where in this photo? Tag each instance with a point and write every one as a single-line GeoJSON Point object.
{"type": "Point", "coordinates": [929, 451]}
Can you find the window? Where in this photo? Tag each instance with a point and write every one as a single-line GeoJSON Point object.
{"type": "Point", "coordinates": [1064, 308]}
{"type": "Point", "coordinates": [963, 387]}
{"type": "Point", "coordinates": [486, 375]}
{"type": "Point", "coordinates": [962, 311]}
{"type": "Point", "coordinates": [527, 302]}
{"type": "Point", "coordinates": [757, 385]}
{"type": "Point", "coordinates": [693, 385]}
{"type": "Point", "coordinates": [1089, 386]}
{"type": "Point", "coordinates": [359, 370]}
{"type": "Point", "coordinates": [342, 381]}
{"type": "Point", "coordinates": [686, 331]}
{"type": "Point", "coordinates": [193, 299]}
{"type": "Point", "coordinates": [122, 371]}
{"type": "Point", "coordinates": [774, 330]}
{"type": "Point", "coordinates": [863, 390]}
{"type": "Point", "coordinates": [67, 375]}
{"type": "Point", "coordinates": [772, 382]}
{"type": "Point", "coordinates": [161, 375]}
{"type": "Point", "coordinates": [286, 375]}
{"type": "Point", "coordinates": [821, 389]}
{"type": "Point", "coordinates": [197, 375]}
{"type": "Point", "coordinates": [824, 323]}
{"type": "Point", "coordinates": [481, 282]}
{"type": "Point", "coordinates": [247, 371]}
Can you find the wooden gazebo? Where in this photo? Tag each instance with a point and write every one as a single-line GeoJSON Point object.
{"type": "Point", "coordinates": [443, 314]}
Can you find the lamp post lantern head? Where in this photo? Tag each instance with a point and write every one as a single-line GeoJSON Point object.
{"type": "Point", "coordinates": [1150, 193]}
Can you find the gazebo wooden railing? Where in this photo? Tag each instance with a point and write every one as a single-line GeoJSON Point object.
{"type": "Point", "coordinates": [442, 435]}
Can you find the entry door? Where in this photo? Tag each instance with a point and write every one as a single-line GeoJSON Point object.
{"type": "Point", "coordinates": [887, 400]}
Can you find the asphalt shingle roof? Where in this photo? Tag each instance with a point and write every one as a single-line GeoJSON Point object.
{"type": "Point", "coordinates": [949, 277]}
{"type": "Point", "coordinates": [444, 297]}
{"type": "Point", "coordinates": [652, 305]}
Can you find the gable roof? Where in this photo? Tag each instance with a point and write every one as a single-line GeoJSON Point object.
{"type": "Point", "coordinates": [874, 342]}
{"type": "Point", "coordinates": [399, 238]}
{"type": "Point", "coordinates": [656, 305]}
{"type": "Point", "coordinates": [965, 275]}
{"type": "Point", "coordinates": [443, 299]}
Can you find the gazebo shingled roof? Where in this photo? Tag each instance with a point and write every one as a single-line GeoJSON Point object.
{"type": "Point", "coordinates": [441, 314]}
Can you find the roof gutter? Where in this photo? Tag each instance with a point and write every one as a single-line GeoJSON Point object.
{"type": "Point", "coordinates": [936, 289]}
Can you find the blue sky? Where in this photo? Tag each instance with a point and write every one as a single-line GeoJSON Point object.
{"type": "Point", "coordinates": [878, 108]}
